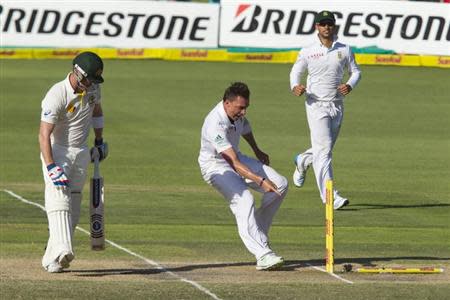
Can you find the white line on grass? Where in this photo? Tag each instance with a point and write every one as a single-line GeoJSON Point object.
{"type": "Point", "coordinates": [334, 275]}
{"type": "Point", "coordinates": [149, 261]}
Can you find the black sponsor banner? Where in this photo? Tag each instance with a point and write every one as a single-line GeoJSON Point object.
{"type": "Point", "coordinates": [405, 27]}
{"type": "Point", "coordinates": [125, 24]}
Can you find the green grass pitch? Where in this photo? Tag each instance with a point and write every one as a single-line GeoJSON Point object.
{"type": "Point", "coordinates": [391, 160]}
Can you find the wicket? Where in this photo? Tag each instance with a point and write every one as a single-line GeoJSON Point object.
{"type": "Point", "coordinates": [329, 227]}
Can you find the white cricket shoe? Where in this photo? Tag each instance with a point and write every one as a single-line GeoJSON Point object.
{"type": "Point", "coordinates": [339, 202]}
{"type": "Point", "coordinates": [54, 267]}
{"type": "Point", "coordinates": [62, 263]}
{"type": "Point", "coordinates": [299, 175]}
{"type": "Point", "coordinates": [270, 261]}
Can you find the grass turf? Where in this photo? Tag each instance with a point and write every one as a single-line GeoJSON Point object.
{"type": "Point", "coordinates": [390, 161]}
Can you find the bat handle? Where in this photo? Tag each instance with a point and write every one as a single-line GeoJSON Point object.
{"type": "Point", "coordinates": [96, 156]}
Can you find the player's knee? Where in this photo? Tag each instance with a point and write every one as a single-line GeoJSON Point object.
{"type": "Point", "coordinates": [57, 201]}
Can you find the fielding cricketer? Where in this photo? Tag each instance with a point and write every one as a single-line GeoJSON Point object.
{"type": "Point", "coordinates": [232, 174]}
{"type": "Point", "coordinates": [325, 62]}
{"type": "Point", "coordinates": [69, 110]}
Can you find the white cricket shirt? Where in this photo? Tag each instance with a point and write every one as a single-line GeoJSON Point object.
{"type": "Point", "coordinates": [219, 133]}
{"type": "Point", "coordinates": [70, 112]}
{"type": "Point", "coordinates": [326, 68]}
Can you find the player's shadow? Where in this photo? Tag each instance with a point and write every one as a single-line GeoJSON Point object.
{"type": "Point", "coordinates": [357, 206]}
{"type": "Point", "coordinates": [290, 265]}
{"type": "Point", "coordinates": [155, 270]}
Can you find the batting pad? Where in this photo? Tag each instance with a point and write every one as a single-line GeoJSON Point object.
{"type": "Point", "coordinates": [60, 240]}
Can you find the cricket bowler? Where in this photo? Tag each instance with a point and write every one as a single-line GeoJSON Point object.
{"type": "Point", "coordinates": [232, 173]}
{"type": "Point", "coordinates": [69, 110]}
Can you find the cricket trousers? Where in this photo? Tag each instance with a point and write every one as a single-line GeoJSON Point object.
{"type": "Point", "coordinates": [324, 121]}
{"type": "Point", "coordinates": [63, 204]}
{"type": "Point", "coordinates": [253, 224]}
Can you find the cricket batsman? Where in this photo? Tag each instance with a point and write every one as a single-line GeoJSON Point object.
{"type": "Point", "coordinates": [69, 110]}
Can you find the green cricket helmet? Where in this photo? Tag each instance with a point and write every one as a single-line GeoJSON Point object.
{"type": "Point", "coordinates": [90, 65]}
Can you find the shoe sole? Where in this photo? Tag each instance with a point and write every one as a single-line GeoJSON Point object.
{"type": "Point", "coordinates": [65, 260]}
{"type": "Point", "coordinates": [54, 270]}
{"type": "Point", "coordinates": [295, 182]}
{"type": "Point", "coordinates": [272, 267]}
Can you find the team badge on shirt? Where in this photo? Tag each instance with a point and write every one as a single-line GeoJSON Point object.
{"type": "Point", "coordinates": [339, 55]}
{"type": "Point", "coordinates": [71, 108]}
{"type": "Point", "coordinates": [74, 105]}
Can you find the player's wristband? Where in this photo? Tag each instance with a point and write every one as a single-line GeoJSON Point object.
{"type": "Point", "coordinates": [51, 166]}
{"type": "Point", "coordinates": [262, 180]}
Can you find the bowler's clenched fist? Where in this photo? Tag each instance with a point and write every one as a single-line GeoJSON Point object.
{"type": "Point", "coordinates": [298, 90]}
{"type": "Point", "coordinates": [344, 89]}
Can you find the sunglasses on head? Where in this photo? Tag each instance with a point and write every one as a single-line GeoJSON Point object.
{"type": "Point", "coordinates": [324, 23]}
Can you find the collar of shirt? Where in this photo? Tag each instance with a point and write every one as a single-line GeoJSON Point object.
{"type": "Point", "coordinates": [69, 87]}
{"type": "Point", "coordinates": [223, 114]}
{"type": "Point", "coordinates": [225, 121]}
{"type": "Point", "coordinates": [320, 45]}
{"type": "Point", "coordinates": [71, 94]}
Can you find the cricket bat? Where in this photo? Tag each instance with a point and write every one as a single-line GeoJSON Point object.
{"type": "Point", "coordinates": [96, 207]}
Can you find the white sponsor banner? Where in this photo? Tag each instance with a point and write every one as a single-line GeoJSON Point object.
{"type": "Point", "coordinates": [401, 26]}
{"type": "Point", "coordinates": [118, 24]}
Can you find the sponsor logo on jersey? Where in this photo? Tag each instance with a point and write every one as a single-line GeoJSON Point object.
{"type": "Point", "coordinates": [315, 55]}
{"type": "Point", "coordinates": [219, 139]}
{"type": "Point", "coordinates": [47, 113]}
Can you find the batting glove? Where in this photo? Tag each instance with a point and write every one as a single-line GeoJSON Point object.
{"type": "Point", "coordinates": [102, 149]}
{"type": "Point", "coordinates": [57, 175]}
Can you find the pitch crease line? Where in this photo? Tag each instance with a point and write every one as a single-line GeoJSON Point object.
{"type": "Point", "coordinates": [332, 274]}
{"type": "Point", "coordinates": [148, 261]}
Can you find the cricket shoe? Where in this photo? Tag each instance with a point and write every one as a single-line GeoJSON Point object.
{"type": "Point", "coordinates": [339, 202]}
{"type": "Point", "coordinates": [299, 175]}
{"type": "Point", "coordinates": [270, 261]}
{"type": "Point", "coordinates": [65, 259]}
{"type": "Point", "coordinates": [54, 267]}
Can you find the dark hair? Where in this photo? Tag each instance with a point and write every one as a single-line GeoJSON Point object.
{"type": "Point", "coordinates": [236, 89]}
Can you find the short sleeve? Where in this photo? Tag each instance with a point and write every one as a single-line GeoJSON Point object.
{"type": "Point", "coordinates": [51, 106]}
{"type": "Point", "coordinates": [218, 138]}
